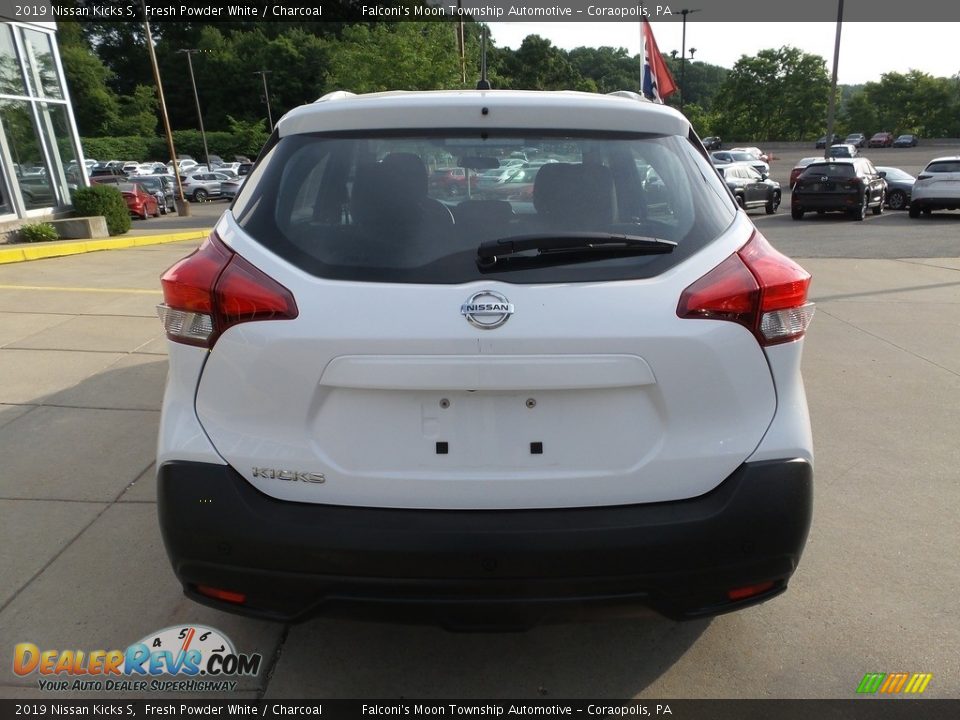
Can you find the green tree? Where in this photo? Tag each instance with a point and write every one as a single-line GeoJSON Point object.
{"type": "Point", "coordinates": [777, 94]}
{"type": "Point", "coordinates": [95, 105]}
{"type": "Point", "coordinates": [538, 65]}
{"type": "Point", "coordinates": [394, 56]}
{"type": "Point", "coordinates": [138, 113]}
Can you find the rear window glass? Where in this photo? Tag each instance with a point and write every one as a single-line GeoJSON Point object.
{"type": "Point", "coordinates": [943, 167]}
{"type": "Point", "coordinates": [842, 170]}
{"type": "Point", "coordinates": [386, 208]}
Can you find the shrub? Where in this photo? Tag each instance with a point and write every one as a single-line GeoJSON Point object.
{"type": "Point", "coordinates": [103, 200]}
{"type": "Point", "coordinates": [129, 147]}
{"type": "Point", "coordinates": [39, 232]}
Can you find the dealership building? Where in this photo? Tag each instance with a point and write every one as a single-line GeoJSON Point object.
{"type": "Point", "coordinates": [39, 143]}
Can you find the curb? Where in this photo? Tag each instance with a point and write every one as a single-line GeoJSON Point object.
{"type": "Point", "coordinates": [37, 251]}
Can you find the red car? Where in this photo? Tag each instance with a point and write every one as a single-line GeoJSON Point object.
{"type": "Point", "coordinates": [140, 202]}
{"type": "Point", "coordinates": [451, 182]}
{"type": "Point", "coordinates": [800, 167]}
{"type": "Point", "coordinates": [881, 139]}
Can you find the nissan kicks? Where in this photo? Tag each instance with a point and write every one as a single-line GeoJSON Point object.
{"type": "Point", "coordinates": [388, 402]}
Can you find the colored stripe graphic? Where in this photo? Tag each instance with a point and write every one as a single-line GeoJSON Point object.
{"type": "Point", "coordinates": [893, 683]}
{"type": "Point", "coordinates": [918, 683]}
{"type": "Point", "coordinates": [871, 683]}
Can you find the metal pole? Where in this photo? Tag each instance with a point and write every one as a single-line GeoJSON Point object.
{"type": "Point", "coordinates": [266, 94]}
{"type": "Point", "coordinates": [183, 207]}
{"type": "Point", "coordinates": [683, 56]}
{"type": "Point", "coordinates": [196, 98]}
{"type": "Point", "coordinates": [833, 83]}
{"type": "Point", "coordinates": [461, 43]}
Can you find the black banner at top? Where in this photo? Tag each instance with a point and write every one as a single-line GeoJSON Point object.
{"type": "Point", "coordinates": [541, 709]}
{"type": "Point", "coordinates": [759, 11]}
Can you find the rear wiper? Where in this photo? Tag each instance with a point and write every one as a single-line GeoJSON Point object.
{"type": "Point", "coordinates": [586, 243]}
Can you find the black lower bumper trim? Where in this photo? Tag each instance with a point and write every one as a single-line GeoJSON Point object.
{"type": "Point", "coordinates": [480, 568]}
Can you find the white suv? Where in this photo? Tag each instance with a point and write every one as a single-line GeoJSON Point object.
{"type": "Point", "coordinates": [937, 187]}
{"type": "Point", "coordinates": [484, 412]}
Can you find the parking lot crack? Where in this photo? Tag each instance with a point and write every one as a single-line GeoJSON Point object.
{"type": "Point", "coordinates": [274, 661]}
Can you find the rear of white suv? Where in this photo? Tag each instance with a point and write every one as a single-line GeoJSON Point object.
{"type": "Point", "coordinates": [484, 412]}
{"type": "Point", "coordinates": [937, 187]}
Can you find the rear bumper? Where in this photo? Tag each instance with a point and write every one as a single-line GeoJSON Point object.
{"type": "Point", "coordinates": [936, 202]}
{"type": "Point", "coordinates": [511, 568]}
{"type": "Point", "coordinates": [826, 201]}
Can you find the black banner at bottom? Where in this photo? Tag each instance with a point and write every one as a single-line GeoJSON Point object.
{"type": "Point", "coordinates": [855, 709]}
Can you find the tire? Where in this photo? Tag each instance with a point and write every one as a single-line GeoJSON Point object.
{"type": "Point", "coordinates": [772, 205]}
{"type": "Point", "coordinates": [914, 211]}
{"type": "Point", "coordinates": [740, 201]}
{"type": "Point", "coordinates": [928, 211]}
{"type": "Point", "coordinates": [199, 195]}
{"type": "Point", "coordinates": [860, 214]}
{"type": "Point", "coordinates": [145, 215]}
{"type": "Point", "coordinates": [796, 214]}
{"type": "Point", "coordinates": [878, 210]}
{"type": "Point", "coordinates": [897, 200]}
{"type": "Point", "coordinates": [156, 213]}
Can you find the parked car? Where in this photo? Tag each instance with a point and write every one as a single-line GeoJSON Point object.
{"type": "Point", "coordinates": [201, 186]}
{"type": "Point", "coordinates": [843, 150]}
{"type": "Point", "coordinates": [881, 140]}
{"type": "Point", "coordinates": [899, 187]}
{"type": "Point", "coordinates": [824, 142]}
{"type": "Point", "coordinates": [712, 143]}
{"type": "Point", "coordinates": [740, 156]}
{"type": "Point", "coordinates": [755, 151]}
{"type": "Point", "coordinates": [937, 187]}
{"type": "Point", "coordinates": [905, 141]}
{"type": "Point", "coordinates": [244, 168]}
{"type": "Point", "coordinates": [161, 188]}
{"type": "Point", "coordinates": [848, 185]}
{"type": "Point", "coordinates": [230, 188]}
{"type": "Point", "coordinates": [858, 140]}
{"type": "Point", "coordinates": [750, 188]}
{"type": "Point", "coordinates": [369, 403]}
{"type": "Point", "coordinates": [140, 201]}
{"type": "Point", "coordinates": [800, 166]}
{"type": "Point", "coordinates": [450, 182]}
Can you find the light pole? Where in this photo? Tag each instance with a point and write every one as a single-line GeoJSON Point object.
{"type": "Point", "coordinates": [266, 94]}
{"type": "Point", "coordinates": [833, 84]}
{"type": "Point", "coordinates": [193, 81]}
{"type": "Point", "coordinates": [183, 207]}
{"type": "Point", "coordinates": [683, 53]}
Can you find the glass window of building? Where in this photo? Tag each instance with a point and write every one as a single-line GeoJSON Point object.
{"type": "Point", "coordinates": [40, 64]}
{"type": "Point", "coordinates": [11, 76]}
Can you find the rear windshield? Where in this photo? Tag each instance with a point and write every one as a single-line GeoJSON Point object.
{"type": "Point", "coordinates": [944, 167]}
{"type": "Point", "coordinates": [386, 208]}
{"type": "Point", "coordinates": [834, 170]}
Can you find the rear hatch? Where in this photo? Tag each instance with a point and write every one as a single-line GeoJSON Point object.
{"type": "Point", "coordinates": [940, 179]}
{"type": "Point", "coordinates": [414, 378]}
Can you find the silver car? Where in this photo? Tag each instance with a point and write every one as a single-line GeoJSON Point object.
{"type": "Point", "coordinates": [937, 187]}
{"type": "Point", "coordinates": [202, 185]}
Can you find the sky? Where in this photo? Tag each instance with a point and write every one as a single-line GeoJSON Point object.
{"type": "Point", "coordinates": [867, 50]}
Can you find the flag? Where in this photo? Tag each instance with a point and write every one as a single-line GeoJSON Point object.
{"type": "Point", "coordinates": [658, 83]}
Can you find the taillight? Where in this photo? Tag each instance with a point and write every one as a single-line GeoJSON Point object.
{"type": "Point", "coordinates": [757, 287]}
{"type": "Point", "coordinates": [213, 289]}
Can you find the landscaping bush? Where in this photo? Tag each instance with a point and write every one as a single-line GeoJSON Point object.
{"type": "Point", "coordinates": [103, 200]}
{"type": "Point", "coordinates": [128, 147]}
{"type": "Point", "coordinates": [39, 232]}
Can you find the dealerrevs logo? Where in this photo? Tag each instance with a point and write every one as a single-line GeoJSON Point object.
{"type": "Point", "coordinates": [200, 657]}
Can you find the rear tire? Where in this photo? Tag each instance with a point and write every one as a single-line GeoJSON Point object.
{"type": "Point", "coordinates": [928, 211]}
{"type": "Point", "coordinates": [897, 200]}
{"type": "Point", "coordinates": [796, 214]}
{"type": "Point", "coordinates": [914, 211]}
{"type": "Point", "coordinates": [860, 213]}
{"type": "Point", "coordinates": [878, 210]}
{"type": "Point", "coordinates": [740, 201]}
{"type": "Point", "coordinates": [199, 195]}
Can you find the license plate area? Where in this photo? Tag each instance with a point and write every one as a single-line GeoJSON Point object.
{"type": "Point", "coordinates": [491, 434]}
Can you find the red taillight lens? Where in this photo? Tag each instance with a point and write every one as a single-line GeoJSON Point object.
{"type": "Point", "coordinates": [757, 287]}
{"type": "Point", "coordinates": [214, 289]}
{"type": "Point", "coordinates": [224, 595]}
{"type": "Point", "coordinates": [749, 591]}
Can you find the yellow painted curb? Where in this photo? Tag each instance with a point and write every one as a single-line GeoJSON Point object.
{"type": "Point", "coordinates": [37, 251]}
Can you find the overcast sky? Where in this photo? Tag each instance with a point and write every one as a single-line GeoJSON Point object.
{"type": "Point", "coordinates": [867, 50]}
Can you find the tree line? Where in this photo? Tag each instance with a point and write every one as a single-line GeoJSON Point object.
{"type": "Point", "coordinates": [777, 94]}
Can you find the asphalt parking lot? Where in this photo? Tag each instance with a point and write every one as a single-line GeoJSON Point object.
{"type": "Point", "coordinates": [83, 364]}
